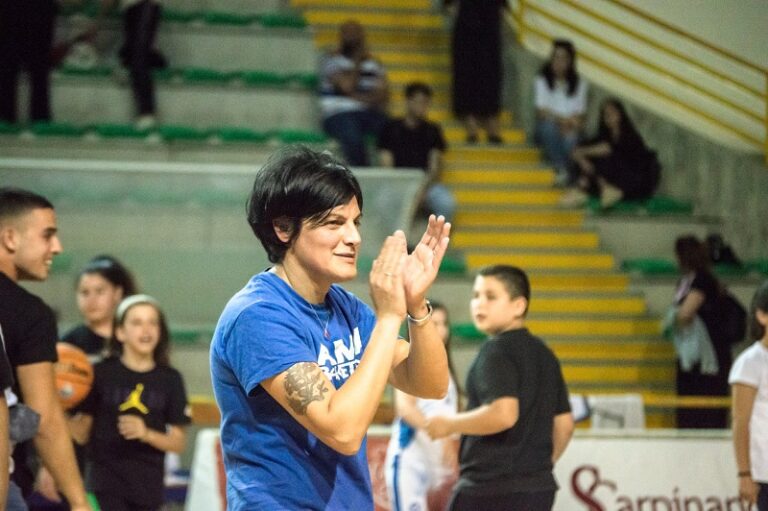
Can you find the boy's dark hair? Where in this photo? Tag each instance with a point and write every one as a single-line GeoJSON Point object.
{"type": "Point", "coordinates": [16, 201]}
{"type": "Point", "coordinates": [692, 254]}
{"type": "Point", "coordinates": [113, 271]}
{"type": "Point", "coordinates": [759, 301]}
{"type": "Point", "coordinates": [414, 88]}
{"type": "Point", "coordinates": [297, 184]}
{"type": "Point", "coordinates": [514, 279]}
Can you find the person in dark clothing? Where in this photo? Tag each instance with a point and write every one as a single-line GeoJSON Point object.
{"type": "Point", "coordinates": [615, 164]}
{"type": "Point", "coordinates": [699, 294]}
{"type": "Point", "coordinates": [28, 244]}
{"type": "Point", "coordinates": [518, 420]}
{"type": "Point", "coordinates": [26, 36]}
{"type": "Point", "coordinates": [415, 142]}
{"type": "Point", "coordinates": [477, 71]}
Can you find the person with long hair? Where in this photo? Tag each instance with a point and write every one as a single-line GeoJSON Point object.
{"type": "Point", "coordinates": [299, 364]}
{"type": "Point", "coordinates": [699, 294]}
{"type": "Point", "coordinates": [416, 464]}
{"type": "Point", "coordinates": [749, 388]}
{"type": "Point", "coordinates": [101, 285]}
{"type": "Point", "coordinates": [615, 164]}
{"type": "Point", "coordinates": [560, 96]}
{"type": "Point", "coordinates": [135, 412]}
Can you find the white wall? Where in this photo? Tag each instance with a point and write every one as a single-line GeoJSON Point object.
{"type": "Point", "coordinates": [738, 26]}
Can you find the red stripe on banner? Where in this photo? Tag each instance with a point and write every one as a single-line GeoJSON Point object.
{"type": "Point", "coordinates": [222, 475]}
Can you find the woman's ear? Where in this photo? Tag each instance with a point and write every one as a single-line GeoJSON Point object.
{"type": "Point", "coordinates": [283, 229]}
{"type": "Point", "coordinates": [762, 317]}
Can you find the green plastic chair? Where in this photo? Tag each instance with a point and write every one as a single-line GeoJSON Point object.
{"type": "Point", "coordinates": [228, 18]}
{"type": "Point", "coordinates": [171, 132]}
{"type": "Point", "coordinates": [467, 332]}
{"type": "Point", "coordinates": [450, 266]}
{"type": "Point", "coordinates": [119, 131]}
{"type": "Point", "coordinates": [263, 78]}
{"type": "Point", "coordinates": [298, 137]}
{"type": "Point", "coordinates": [56, 129]}
{"type": "Point", "coordinates": [202, 75]}
{"type": "Point", "coordinates": [61, 263]}
{"type": "Point", "coordinates": [279, 20]}
{"type": "Point", "coordinates": [305, 80]}
{"type": "Point", "coordinates": [650, 266]}
{"type": "Point", "coordinates": [9, 129]}
{"type": "Point", "coordinates": [177, 16]}
{"type": "Point", "coordinates": [231, 134]}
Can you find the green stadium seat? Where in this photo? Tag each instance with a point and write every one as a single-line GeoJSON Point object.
{"type": "Point", "coordinates": [228, 18]}
{"type": "Point", "coordinates": [658, 205]}
{"type": "Point", "coordinates": [201, 75]}
{"type": "Point", "coordinates": [119, 131]}
{"type": "Point", "coordinates": [177, 16]}
{"type": "Point", "coordinates": [56, 129]}
{"type": "Point", "coordinates": [450, 266]}
{"type": "Point", "coordinates": [759, 266]}
{"type": "Point", "coordinates": [9, 129]}
{"type": "Point", "coordinates": [173, 132]}
{"type": "Point", "coordinates": [467, 332]}
{"type": "Point", "coordinates": [650, 266]}
{"type": "Point", "coordinates": [262, 78]}
{"type": "Point", "coordinates": [62, 263]}
{"type": "Point", "coordinates": [305, 80]}
{"type": "Point", "coordinates": [167, 74]}
{"type": "Point", "coordinates": [281, 20]}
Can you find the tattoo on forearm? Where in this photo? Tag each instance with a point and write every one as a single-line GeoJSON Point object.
{"type": "Point", "coordinates": [303, 384]}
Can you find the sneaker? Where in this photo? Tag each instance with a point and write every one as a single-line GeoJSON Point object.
{"type": "Point", "coordinates": [610, 196]}
{"type": "Point", "coordinates": [495, 140]}
{"type": "Point", "coordinates": [145, 122]}
{"type": "Point", "coordinates": [573, 198]}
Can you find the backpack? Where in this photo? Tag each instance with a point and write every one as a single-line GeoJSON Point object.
{"type": "Point", "coordinates": [734, 319]}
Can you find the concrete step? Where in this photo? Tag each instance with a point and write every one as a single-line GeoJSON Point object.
{"type": "Point", "coordinates": [100, 100]}
{"type": "Point", "coordinates": [389, 38]}
{"type": "Point", "coordinates": [474, 217]}
{"type": "Point", "coordinates": [225, 47]}
{"type": "Point", "coordinates": [536, 177]}
{"type": "Point", "coordinates": [237, 6]}
{"type": "Point", "coordinates": [494, 197]}
{"type": "Point", "coordinates": [618, 352]}
{"type": "Point", "coordinates": [663, 373]}
{"type": "Point", "coordinates": [457, 134]}
{"type": "Point", "coordinates": [410, 5]}
{"type": "Point", "coordinates": [542, 260]}
{"type": "Point", "coordinates": [525, 239]}
{"type": "Point", "coordinates": [492, 156]}
{"type": "Point", "coordinates": [391, 19]}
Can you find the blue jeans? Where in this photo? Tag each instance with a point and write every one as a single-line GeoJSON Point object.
{"type": "Point", "coordinates": [351, 128]}
{"type": "Point", "coordinates": [439, 200]}
{"type": "Point", "coordinates": [15, 500]}
{"type": "Point", "coordinates": [557, 147]}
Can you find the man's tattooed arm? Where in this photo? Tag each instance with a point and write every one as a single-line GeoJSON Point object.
{"type": "Point", "coordinates": [304, 383]}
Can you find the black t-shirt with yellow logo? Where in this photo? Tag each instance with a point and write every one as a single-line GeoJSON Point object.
{"type": "Point", "coordinates": [130, 468]}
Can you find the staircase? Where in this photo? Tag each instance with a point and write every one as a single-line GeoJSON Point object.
{"type": "Point", "coordinates": [507, 213]}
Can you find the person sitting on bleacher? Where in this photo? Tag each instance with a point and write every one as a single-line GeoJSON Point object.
{"type": "Point", "coordinates": [353, 94]}
{"type": "Point", "coordinates": [415, 142]}
{"type": "Point", "coordinates": [616, 164]}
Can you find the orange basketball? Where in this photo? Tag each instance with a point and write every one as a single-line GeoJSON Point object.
{"type": "Point", "coordinates": [74, 374]}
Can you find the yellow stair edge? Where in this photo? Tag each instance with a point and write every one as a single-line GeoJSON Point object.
{"type": "Point", "coordinates": [589, 305]}
{"type": "Point", "coordinates": [412, 5]}
{"type": "Point", "coordinates": [552, 218]}
{"type": "Point", "coordinates": [465, 239]}
{"type": "Point", "coordinates": [538, 260]}
{"type": "Point", "coordinates": [618, 374]}
{"type": "Point", "coordinates": [536, 177]}
{"type": "Point", "coordinates": [593, 327]}
{"type": "Point", "coordinates": [575, 282]}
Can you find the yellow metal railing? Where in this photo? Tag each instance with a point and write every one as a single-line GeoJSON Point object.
{"type": "Point", "coordinates": [522, 10]}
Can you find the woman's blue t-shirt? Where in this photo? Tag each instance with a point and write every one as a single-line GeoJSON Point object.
{"type": "Point", "coordinates": [272, 461]}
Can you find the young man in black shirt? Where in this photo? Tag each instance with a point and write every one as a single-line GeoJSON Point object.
{"type": "Point", "coordinates": [518, 419]}
{"type": "Point", "coordinates": [415, 142]}
{"type": "Point", "coordinates": [28, 244]}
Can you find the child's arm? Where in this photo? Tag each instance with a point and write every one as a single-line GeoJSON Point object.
{"type": "Point", "coordinates": [133, 427]}
{"type": "Point", "coordinates": [562, 431]}
{"type": "Point", "coordinates": [499, 415]}
{"type": "Point", "coordinates": [80, 427]}
{"type": "Point", "coordinates": [405, 407]}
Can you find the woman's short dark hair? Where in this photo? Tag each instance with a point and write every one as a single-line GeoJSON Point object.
{"type": "Point", "coordinates": [514, 279]}
{"type": "Point", "coordinates": [759, 301]}
{"type": "Point", "coordinates": [691, 254]}
{"type": "Point", "coordinates": [112, 271]}
{"type": "Point", "coordinates": [297, 184]}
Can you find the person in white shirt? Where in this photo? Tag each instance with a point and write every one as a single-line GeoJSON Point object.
{"type": "Point", "coordinates": [561, 104]}
{"type": "Point", "coordinates": [749, 383]}
{"type": "Point", "coordinates": [353, 94]}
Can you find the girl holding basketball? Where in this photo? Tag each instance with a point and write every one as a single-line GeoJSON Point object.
{"type": "Point", "coordinates": [136, 411]}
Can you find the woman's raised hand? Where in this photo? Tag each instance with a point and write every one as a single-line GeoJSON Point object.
{"type": "Point", "coordinates": [386, 279]}
{"type": "Point", "coordinates": [422, 264]}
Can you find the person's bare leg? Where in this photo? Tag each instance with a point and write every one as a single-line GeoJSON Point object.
{"type": "Point", "coordinates": [492, 127]}
{"type": "Point", "coordinates": [472, 127]}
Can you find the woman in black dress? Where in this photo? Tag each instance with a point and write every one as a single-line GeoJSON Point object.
{"type": "Point", "coordinates": [476, 52]}
{"type": "Point", "coordinates": [615, 164]}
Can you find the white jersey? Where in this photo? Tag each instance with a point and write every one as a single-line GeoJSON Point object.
{"type": "Point", "coordinates": [751, 368]}
{"type": "Point", "coordinates": [414, 463]}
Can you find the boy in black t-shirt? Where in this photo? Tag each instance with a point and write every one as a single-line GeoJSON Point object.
{"type": "Point", "coordinates": [415, 142]}
{"type": "Point", "coordinates": [518, 419]}
{"type": "Point", "coordinates": [28, 244]}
